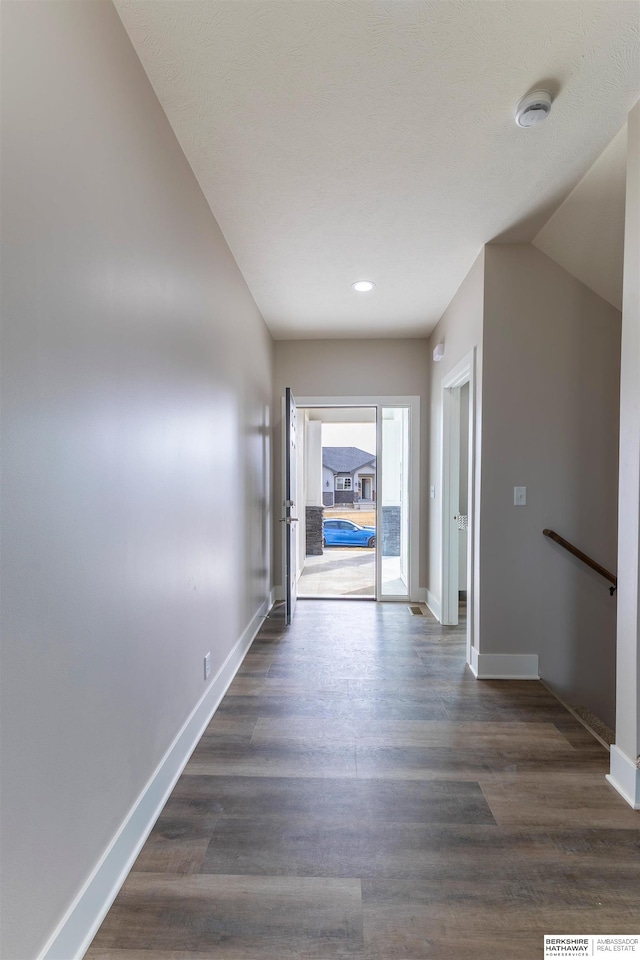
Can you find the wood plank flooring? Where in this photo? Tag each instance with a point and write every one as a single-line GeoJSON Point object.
{"type": "Point", "coordinates": [359, 795]}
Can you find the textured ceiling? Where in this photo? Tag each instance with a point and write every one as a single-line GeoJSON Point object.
{"type": "Point", "coordinates": [357, 139]}
{"type": "Point", "coordinates": [586, 233]}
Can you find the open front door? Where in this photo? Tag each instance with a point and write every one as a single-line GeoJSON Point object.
{"type": "Point", "coordinates": [290, 517]}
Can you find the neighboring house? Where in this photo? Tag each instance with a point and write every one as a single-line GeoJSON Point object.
{"type": "Point", "coordinates": [348, 475]}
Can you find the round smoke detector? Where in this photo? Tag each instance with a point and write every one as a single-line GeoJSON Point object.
{"type": "Point", "coordinates": [533, 108]}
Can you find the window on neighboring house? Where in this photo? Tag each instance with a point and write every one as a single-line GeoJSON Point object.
{"type": "Point", "coordinates": [343, 483]}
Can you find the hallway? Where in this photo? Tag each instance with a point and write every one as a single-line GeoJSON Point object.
{"type": "Point", "coordinates": [359, 795]}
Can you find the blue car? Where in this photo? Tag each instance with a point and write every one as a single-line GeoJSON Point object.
{"type": "Point", "coordinates": [345, 533]}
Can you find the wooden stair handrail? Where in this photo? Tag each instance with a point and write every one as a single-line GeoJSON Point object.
{"type": "Point", "coordinates": [585, 559]}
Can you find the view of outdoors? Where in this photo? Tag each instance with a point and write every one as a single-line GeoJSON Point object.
{"type": "Point", "coordinates": [346, 566]}
{"type": "Point", "coordinates": [339, 536]}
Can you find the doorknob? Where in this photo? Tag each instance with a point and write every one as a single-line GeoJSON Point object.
{"type": "Point", "coordinates": [288, 520]}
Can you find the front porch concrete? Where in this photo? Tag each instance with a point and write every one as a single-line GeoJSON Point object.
{"type": "Point", "coordinates": [349, 572]}
{"type": "Point", "coordinates": [339, 572]}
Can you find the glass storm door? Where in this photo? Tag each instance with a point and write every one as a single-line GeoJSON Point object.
{"type": "Point", "coordinates": [290, 518]}
{"type": "Point", "coordinates": [393, 503]}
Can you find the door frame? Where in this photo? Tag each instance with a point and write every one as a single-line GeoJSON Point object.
{"type": "Point", "coordinates": [463, 372]}
{"type": "Point", "coordinates": [413, 403]}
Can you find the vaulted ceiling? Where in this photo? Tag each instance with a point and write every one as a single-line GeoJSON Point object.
{"type": "Point", "coordinates": [586, 233]}
{"type": "Point", "coordinates": [337, 140]}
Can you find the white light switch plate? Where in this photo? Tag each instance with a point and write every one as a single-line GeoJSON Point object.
{"type": "Point", "coordinates": [519, 496]}
{"type": "Point", "coordinates": [432, 492]}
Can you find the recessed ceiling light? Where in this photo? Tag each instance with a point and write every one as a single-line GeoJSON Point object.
{"type": "Point", "coordinates": [363, 286]}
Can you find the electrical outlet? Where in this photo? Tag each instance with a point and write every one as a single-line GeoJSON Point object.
{"type": "Point", "coordinates": [207, 666]}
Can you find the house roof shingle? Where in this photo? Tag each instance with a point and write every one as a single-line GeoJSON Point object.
{"type": "Point", "coordinates": [345, 459]}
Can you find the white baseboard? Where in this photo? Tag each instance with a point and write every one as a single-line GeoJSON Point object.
{"type": "Point", "coordinates": [504, 666]}
{"type": "Point", "coordinates": [624, 776]}
{"type": "Point", "coordinates": [420, 595]}
{"type": "Point", "coordinates": [278, 593]}
{"type": "Point", "coordinates": [76, 930]}
{"type": "Point", "coordinates": [434, 605]}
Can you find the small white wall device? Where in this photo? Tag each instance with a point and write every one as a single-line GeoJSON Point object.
{"type": "Point", "coordinates": [533, 108]}
{"type": "Point", "coordinates": [519, 496]}
{"type": "Point", "coordinates": [438, 353]}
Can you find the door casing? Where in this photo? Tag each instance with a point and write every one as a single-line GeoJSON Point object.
{"type": "Point", "coordinates": [463, 372]}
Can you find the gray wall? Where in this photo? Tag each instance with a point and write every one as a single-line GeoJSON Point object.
{"type": "Point", "coordinates": [628, 646]}
{"type": "Point", "coordinates": [324, 368]}
{"type": "Point", "coordinates": [136, 447]}
{"type": "Point", "coordinates": [547, 408]}
{"type": "Point", "coordinates": [550, 423]}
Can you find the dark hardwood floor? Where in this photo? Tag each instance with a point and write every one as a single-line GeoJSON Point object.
{"type": "Point", "coordinates": [359, 795]}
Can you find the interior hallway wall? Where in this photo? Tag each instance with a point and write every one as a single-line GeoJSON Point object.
{"type": "Point", "coordinates": [325, 368]}
{"type": "Point", "coordinates": [625, 757]}
{"type": "Point", "coordinates": [136, 401]}
{"type": "Point", "coordinates": [550, 422]}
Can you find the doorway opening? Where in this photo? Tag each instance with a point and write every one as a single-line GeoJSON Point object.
{"type": "Point", "coordinates": [463, 494]}
{"type": "Point", "coordinates": [338, 529]}
{"type": "Point", "coordinates": [458, 473]}
{"type": "Point", "coordinates": [372, 502]}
